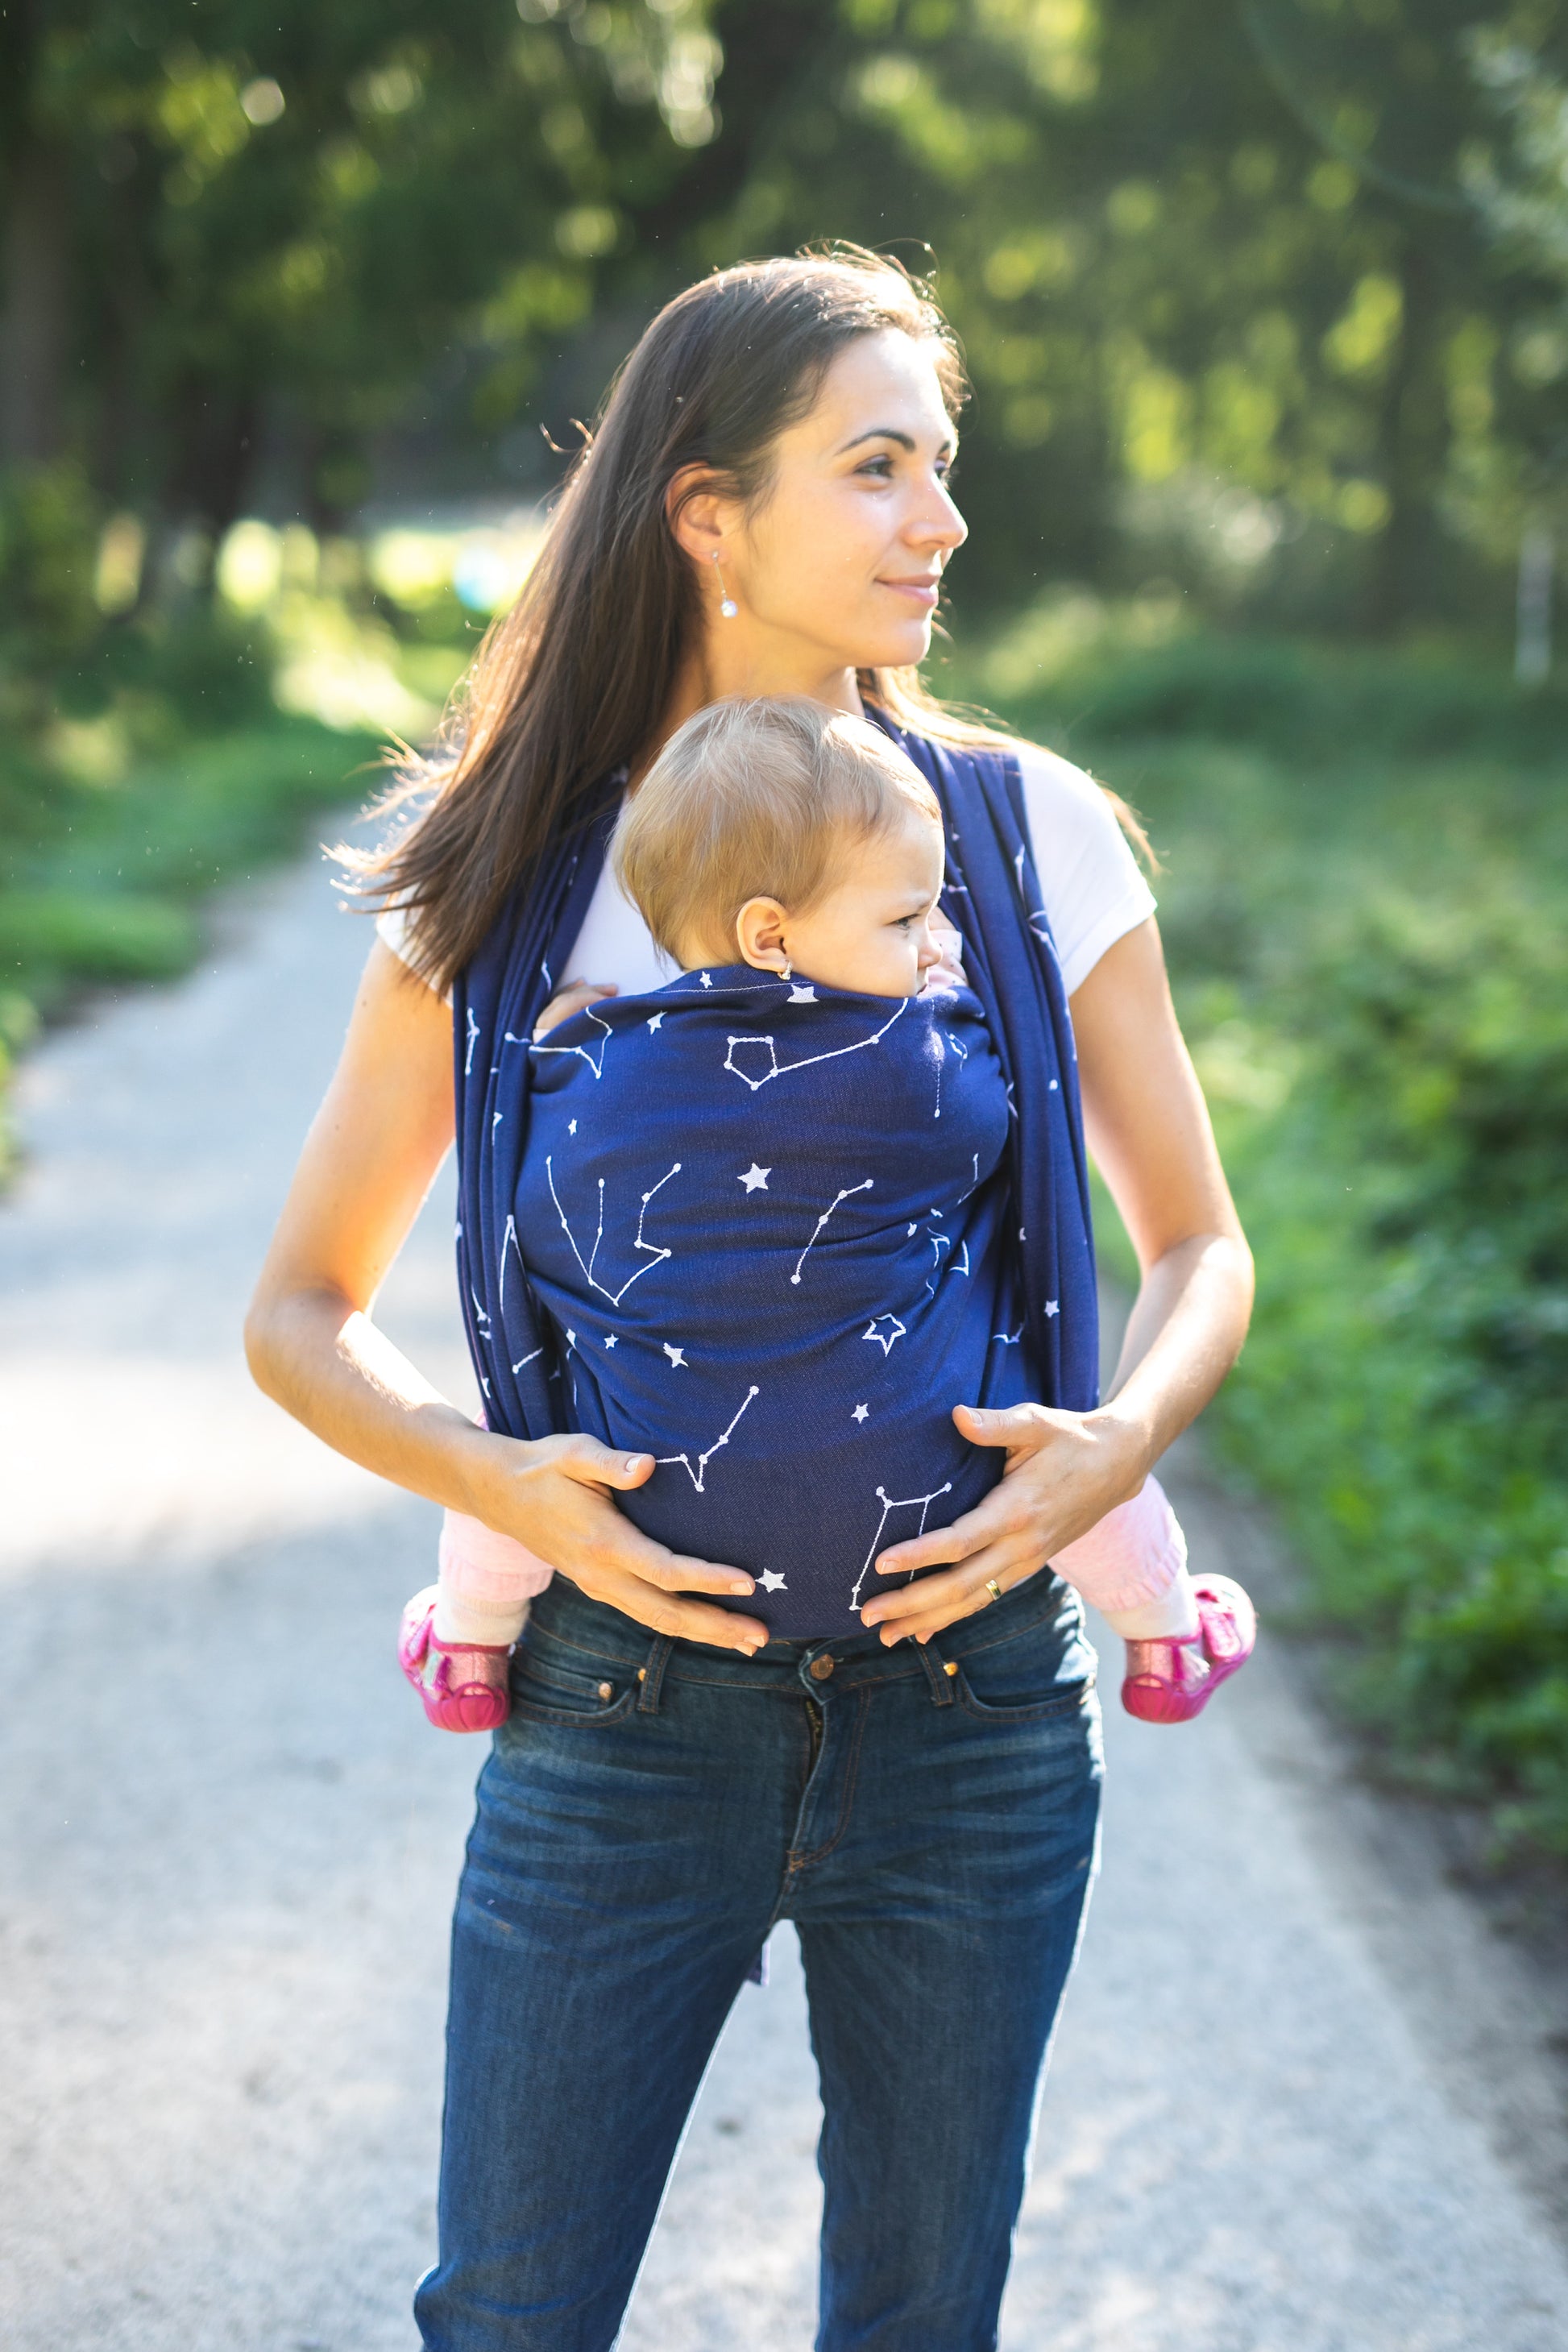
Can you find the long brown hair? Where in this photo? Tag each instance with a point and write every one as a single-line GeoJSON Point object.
{"type": "Point", "coordinates": [573, 682]}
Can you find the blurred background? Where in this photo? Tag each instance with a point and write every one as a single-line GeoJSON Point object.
{"type": "Point", "coordinates": [1266, 311]}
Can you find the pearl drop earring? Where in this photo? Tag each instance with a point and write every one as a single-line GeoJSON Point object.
{"type": "Point", "coordinates": [727, 605]}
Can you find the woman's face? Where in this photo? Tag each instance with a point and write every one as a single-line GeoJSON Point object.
{"type": "Point", "coordinates": [838, 566]}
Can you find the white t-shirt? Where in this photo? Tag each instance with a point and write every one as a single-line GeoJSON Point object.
{"type": "Point", "coordinates": [1091, 884]}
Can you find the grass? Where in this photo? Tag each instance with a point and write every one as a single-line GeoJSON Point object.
{"type": "Point", "coordinates": [104, 876]}
{"type": "Point", "coordinates": [1364, 904]}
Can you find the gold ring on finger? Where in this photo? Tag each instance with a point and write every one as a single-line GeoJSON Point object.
{"type": "Point", "coordinates": [992, 1588]}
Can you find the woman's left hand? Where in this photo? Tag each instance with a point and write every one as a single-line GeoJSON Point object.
{"type": "Point", "coordinates": [1064, 1472]}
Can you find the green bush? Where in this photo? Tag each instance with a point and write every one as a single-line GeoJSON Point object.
{"type": "Point", "coordinates": [1364, 907]}
{"type": "Point", "coordinates": [60, 936]}
{"type": "Point", "coordinates": [108, 890]}
{"type": "Point", "coordinates": [1305, 703]}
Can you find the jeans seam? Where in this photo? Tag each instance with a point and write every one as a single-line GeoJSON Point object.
{"type": "Point", "coordinates": [530, 1711]}
{"type": "Point", "coordinates": [1032, 1711]}
{"type": "Point", "coordinates": [851, 1777]}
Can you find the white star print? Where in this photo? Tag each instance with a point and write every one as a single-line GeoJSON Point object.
{"type": "Point", "coordinates": [858, 1414]}
{"type": "Point", "coordinates": [755, 1178]}
{"type": "Point", "coordinates": [778, 1069]}
{"type": "Point", "coordinates": [912, 1229]}
{"type": "Point", "coordinates": [1053, 1307]}
{"type": "Point", "coordinates": [656, 1020]}
{"type": "Point", "coordinates": [572, 1127]}
{"type": "Point", "coordinates": [699, 1476]}
{"type": "Point", "coordinates": [609, 1338]}
{"type": "Point", "coordinates": [704, 979]}
{"type": "Point", "coordinates": [803, 994]}
{"type": "Point", "coordinates": [842, 1197]}
{"type": "Point", "coordinates": [885, 1340]}
{"type": "Point", "coordinates": [676, 1357]}
{"type": "Point", "coordinates": [571, 1338]}
{"type": "Point", "coordinates": [771, 1581]}
{"type": "Point", "coordinates": [891, 1503]}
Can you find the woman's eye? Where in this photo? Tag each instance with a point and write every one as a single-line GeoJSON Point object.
{"type": "Point", "coordinates": [882, 468]}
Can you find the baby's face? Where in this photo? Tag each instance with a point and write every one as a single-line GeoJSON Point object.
{"type": "Point", "coordinates": [872, 929]}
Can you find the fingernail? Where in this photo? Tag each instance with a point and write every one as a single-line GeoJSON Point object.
{"type": "Point", "coordinates": [635, 1461]}
{"type": "Point", "coordinates": [741, 1584]}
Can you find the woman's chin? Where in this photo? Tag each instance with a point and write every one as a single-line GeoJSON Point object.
{"type": "Point", "coordinates": [903, 646]}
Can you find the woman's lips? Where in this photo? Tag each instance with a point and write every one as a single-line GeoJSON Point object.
{"type": "Point", "coordinates": [923, 593]}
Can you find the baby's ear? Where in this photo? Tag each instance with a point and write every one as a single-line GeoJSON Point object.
{"type": "Point", "coordinates": [759, 934]}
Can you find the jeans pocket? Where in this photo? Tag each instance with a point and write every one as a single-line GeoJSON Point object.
{"type": "Point", "coordinates": [546, 1692]}
{"type": "Point", "coordinates": [1027, 1677]}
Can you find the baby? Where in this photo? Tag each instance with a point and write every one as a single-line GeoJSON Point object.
{"type": "Point", "coordinates": [762, 1216]}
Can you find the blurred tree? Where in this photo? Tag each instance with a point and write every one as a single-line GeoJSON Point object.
{"type": "Point", "coordinates": [221, 211]}
{"type": "Point", "coordinates": [1189, 249]}
{"type": "Point", "coordinates": [1225, 276]}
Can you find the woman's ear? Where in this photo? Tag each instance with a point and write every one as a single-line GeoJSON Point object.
{"type": "Point", "coordinates": [759, 933]}
{"type": "Point", "coordinates": [698, 514]}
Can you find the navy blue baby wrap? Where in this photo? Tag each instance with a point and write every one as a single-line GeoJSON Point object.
{"type": "Point", "coordinates": [749, 1132]}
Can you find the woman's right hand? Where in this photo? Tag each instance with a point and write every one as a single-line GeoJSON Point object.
{"type": "Point", "coordinates": [556, 1494]}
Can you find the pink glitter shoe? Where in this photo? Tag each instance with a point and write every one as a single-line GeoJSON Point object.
{"type": "Point", "coordinates": [463, 1689]}
{"type": "Point", "coordinates": [1170, 1681]}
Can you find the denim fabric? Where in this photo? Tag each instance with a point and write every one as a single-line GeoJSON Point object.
{"type": "Point", "coordinates": [926, 1818]}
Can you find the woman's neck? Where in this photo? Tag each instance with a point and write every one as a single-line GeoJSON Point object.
{"type": "Point", "coordinates": [727, 665]}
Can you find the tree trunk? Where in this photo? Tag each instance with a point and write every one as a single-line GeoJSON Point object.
{"type": "Point", "coordinates": [35, 321]}
{"type": "Point", "coordinates": [1413, 440]}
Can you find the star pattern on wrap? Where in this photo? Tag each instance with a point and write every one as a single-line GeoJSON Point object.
{"type": "Point", "coordinates": [823, 1217]}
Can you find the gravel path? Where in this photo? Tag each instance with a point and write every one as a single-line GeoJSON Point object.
{"type": "Point", "coordinates": [1302, 2100]}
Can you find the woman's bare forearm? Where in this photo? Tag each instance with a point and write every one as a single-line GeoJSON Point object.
{"type": "Point", "coordinates": [322, 1361]}
{"type": "Point", "coordinates": [1185, 1333]}
{"type": "Point", "coordinates": [1149, 1130]}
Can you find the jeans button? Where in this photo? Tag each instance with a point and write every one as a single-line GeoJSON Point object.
{"type": "Point", "coordinates": [819, 1669]}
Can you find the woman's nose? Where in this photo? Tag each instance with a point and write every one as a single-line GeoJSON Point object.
{"type": "Point", "coordinates": [939, 522]}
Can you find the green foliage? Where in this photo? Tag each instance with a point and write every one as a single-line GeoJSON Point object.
{"type": "Point", "coordinates": [1244, 298]}
{"type": "Point", "coordinates": [1364, 910]}
{"type": "Point", "coordinates": [1309, 703]}
{"type": "Point", "coordinates": [111, 891]}
{"type": "Point", "coordinates": [49, 537]}
{"type": "Point", "coordinates": [55, 937]}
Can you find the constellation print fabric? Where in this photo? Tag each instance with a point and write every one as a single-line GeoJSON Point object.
{"type": "Point", "coordinates": [760, 1219]}
{"type": "Point", "coordinates": [1040, 1251]}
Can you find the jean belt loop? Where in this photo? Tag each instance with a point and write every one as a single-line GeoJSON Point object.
{"type": "Point", "coordinates": [651, 1676]}
{"type": "Point", "coordinates": [938, 1673]}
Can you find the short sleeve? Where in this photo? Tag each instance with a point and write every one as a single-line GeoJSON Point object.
{"type": "Point", "coordinates": [1093, 888]}
{"type": "Point", "coordinates": [392, 929]}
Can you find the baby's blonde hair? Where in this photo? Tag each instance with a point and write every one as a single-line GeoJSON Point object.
{"type": "Point", "coordinates": [750, 800]}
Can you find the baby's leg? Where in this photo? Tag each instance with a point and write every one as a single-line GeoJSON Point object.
{"type": "Point", "coordinates": [485, 1584]}
{"type": "Point", "coordinates": [1133, 1567]}
{"type": "Point", "coordinates": [1183, 1638]}
{"type": "Point", "coordinates": [457, 1636]}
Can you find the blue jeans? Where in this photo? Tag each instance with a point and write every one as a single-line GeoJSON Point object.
{"type": "Point", "coordinates": [928, 1820]}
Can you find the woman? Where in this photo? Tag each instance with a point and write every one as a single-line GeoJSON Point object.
{"type": "Point", "coordinates": [766, 509]}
